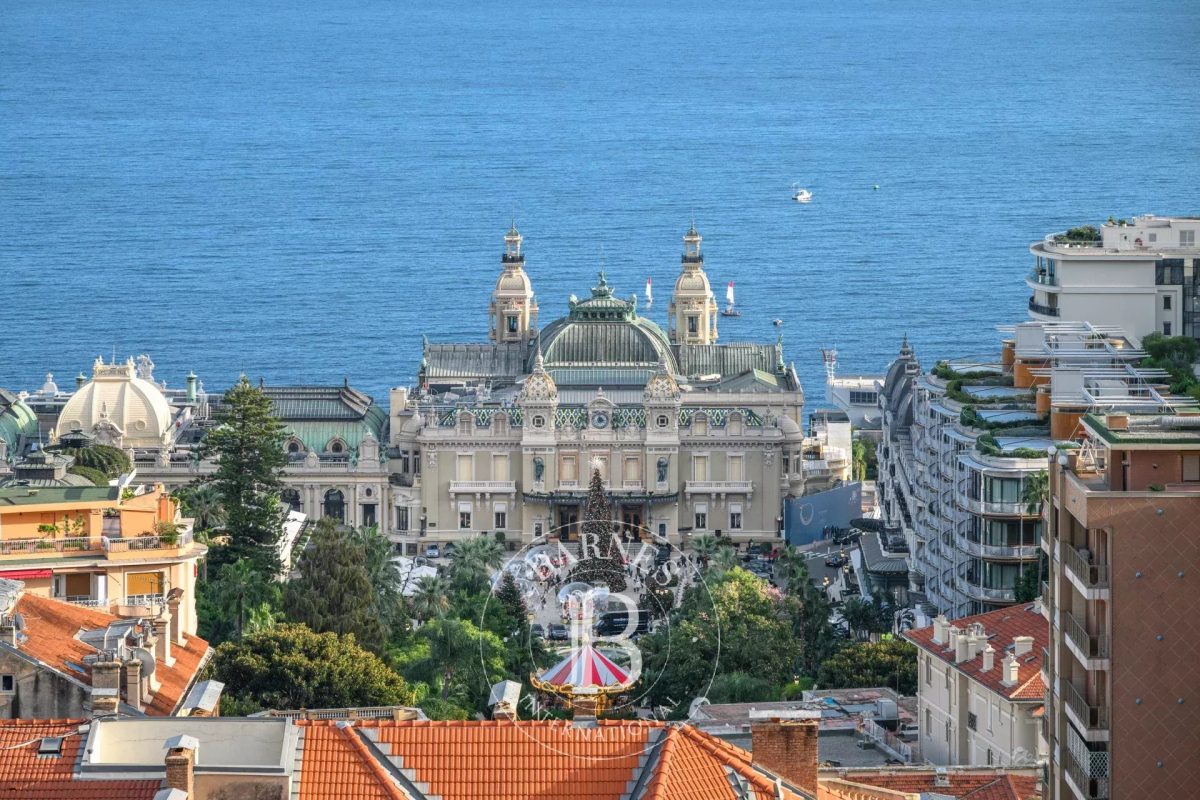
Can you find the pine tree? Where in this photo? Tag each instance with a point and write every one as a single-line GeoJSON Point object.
{"type": "Point", "coordinates": [600, 562]}
{"type": "Point", "coordinates": [248, 447]}
{"type": "Point", "coordinates": [334, 592]}
{"type": "Point", "coordinates": [509, 596]}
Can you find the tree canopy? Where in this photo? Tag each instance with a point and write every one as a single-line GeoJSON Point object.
{"type": "Point", "coordinates": [891, 662]}
{"type": "Point", "coordinates": [291, 666]}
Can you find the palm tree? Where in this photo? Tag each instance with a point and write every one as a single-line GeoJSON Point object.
{"type": "Point", "coordinates": [451, 648]}
{"type": "Point", "coordinates": [1033, 494]}
{"type": "Point", "coordinates": [240, 589]}
{"type": "Point", "coordinates": [725, 559]}
{"type": "Point", "coordinates": [203, 504]}
{"type": "Point", "coordinates": [387, 580]}
{"type": "Point", "coordinates": [705, 547]}
{"type": "Point", "coordinates": [432, 598]}
{"type": "Point", "coordinates": [475, 559]}
{"type": "Point", "coordinates": [791, 571]}
{"type": "Point", "coordinates": [862, 616]}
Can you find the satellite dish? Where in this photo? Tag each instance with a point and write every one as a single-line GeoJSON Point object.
{"type": "Point", "coordinates": [146, 657]}
{"type": "Point", "coordinates": [19, 621]}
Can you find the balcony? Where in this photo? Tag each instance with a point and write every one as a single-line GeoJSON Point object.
{"type": "Point", "coordinates": [718, 487]}
{"type": "Point", "coordinates": [1089, 578]}
{"type": "Point", "coordinates": [483, 487]}
{"type": "Point", "coordinates": [82, 545]}
{"type": "Point", "coordinates": [995, 551]}
{"type": "Point", "coordinates": [1093, 720]}
{"type": "Point", "coordinates": [1089, 649]}
{"type": "Point", "coordinates": [985, 593]}
{"type": "Point", "coordinates": [82, 600]}
{"type": "Point", "coordinates": [1039, 280]}
{"type": "Point", "coordinates": [1087, 769]}
{"type": "Point", "coordinates": [993, 507]}
{"type": "Point", "coordinates": [1045, 597]}
{"type": "Point", "coordinates": [1045, 311]}
{"type": "Point", "coordinates": [135, 544]}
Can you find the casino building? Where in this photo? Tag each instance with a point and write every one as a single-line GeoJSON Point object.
{"type": "Point", "coordinates": [499, 436]}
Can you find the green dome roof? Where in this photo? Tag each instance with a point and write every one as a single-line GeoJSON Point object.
{"type": "Point", "coordinates": [604, 330]}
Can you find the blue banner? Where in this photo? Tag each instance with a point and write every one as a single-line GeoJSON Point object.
{"type": "Point", "coordinates": [811, 518]}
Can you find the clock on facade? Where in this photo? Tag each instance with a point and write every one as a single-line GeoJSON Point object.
{"type": "Point", "coordinates": [599, 419]}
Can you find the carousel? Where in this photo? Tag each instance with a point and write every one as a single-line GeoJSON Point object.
{"type": "Point", "coordinates": [585, 679]}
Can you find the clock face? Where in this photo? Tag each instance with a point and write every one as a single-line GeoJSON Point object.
{"type": "Point", "coordinates": [599, 419]}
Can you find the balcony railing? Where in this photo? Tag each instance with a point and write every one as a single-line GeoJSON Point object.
{"type": "Point", "coordinates": [985, 593]}
{"type": "Point", "coordinates": [1045, 594]}
{"type": "Point", "coordinates": [999, 551]}
{"type": "Point", "coordinates": [718, 487]}
{"type": "Point", "coordinates": [1042, 278]}
{"type": "Point", "coordinates": [483, 487]}
{"type": "Point", "coordinates": [154, 542]}
{"type": "Point", "coordinates": [1092, 646]}
{"type": "Point", "coordinates": [149, 600]}
{"type": "Point", "coordinates": [1091, 717]}
{"type": "Point", "coordinates": [1094, 576]}
{"type": "Point", "coordinates": [1087, 768]}
{"type": "Point", "coordinates": [49, 546]}
{"type": "Point", "coordinates": [82, 600]}
{"type": "Point", "coordinates": [1038, 308]}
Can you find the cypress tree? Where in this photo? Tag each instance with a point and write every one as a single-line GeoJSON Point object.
{"type": "Point", "coordinates": [509, 596]}
{"type": "Point", "coordinates": [600, 561]}
{"type": "Point", "coordinates": [248, 447]}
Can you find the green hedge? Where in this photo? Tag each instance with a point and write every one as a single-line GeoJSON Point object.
{"type": "Point", "coordinates": [970, 417]}
{"type": "Point", "coordinates": [94, 475]}
{"type": "Point", "coordinates": [988, 445]}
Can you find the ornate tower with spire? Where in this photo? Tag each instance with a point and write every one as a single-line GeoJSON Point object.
{"type": "Point", "coordinates": [512, 315]}
{"type": "Point", "coordinates": [693, 309]}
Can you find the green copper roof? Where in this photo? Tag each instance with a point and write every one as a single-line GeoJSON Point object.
{"type": "Point", "coordinates": [17, 420]}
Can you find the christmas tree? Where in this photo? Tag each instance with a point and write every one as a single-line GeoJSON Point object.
{"type": "Point", "coordinates": [600, 560]}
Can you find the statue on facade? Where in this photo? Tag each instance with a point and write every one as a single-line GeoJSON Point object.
{"type": "Point", "coordinates": [539, 469]}
{"type": "Point", "coordinates": [662, 470]}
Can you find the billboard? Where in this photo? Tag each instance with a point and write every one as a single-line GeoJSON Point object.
{"type": "Point", "coordinates": [808, 519]}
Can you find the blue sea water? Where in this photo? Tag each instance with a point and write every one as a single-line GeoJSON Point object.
{"type": "Point", "coordinates": [300, 190]}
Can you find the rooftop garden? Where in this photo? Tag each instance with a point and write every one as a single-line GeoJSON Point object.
{"type": "Point", "coordinates": [1083, 233]}
{"type": "Point", "coordinates": [1175, 355]}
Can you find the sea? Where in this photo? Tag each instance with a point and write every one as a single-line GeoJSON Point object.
{"type": "Point", "coordinates": [300, 191]}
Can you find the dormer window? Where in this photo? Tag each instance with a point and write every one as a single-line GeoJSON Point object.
{"type": "Point", "coordinates": [294, 446]}
{"type": "Point", "coordinates": [337, 448]}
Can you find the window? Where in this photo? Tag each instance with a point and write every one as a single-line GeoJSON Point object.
{"type": "Point", "coordinates": [293, 447]}
{"type": "Point", "coordinates": [1166, 329]}
{"type": "Point", "coordinates": [972, 720]}
{"type": "Point", "coordinates": [336, 447]}
{"type": "Point", "coordinates": [693, 324]}
{"type": "Point", "coordinates": [1166, 302]}
{"type": "Point", "coordinates": [368, 515]}
{"type": "Point", "coordinates": [465, 468]}
{"type": "Point", "coordinates": [1187, 238]}
{"type": "Point", "coordinates": [989, 757]}
{"type": "Point", "coordinates": [501, 518]}
{"type": "Point", "coordinates": [402, 518]}
{"type": "Point", "coordinates": [735, 516]}
{"type": "Point", "coordinates": [539, 421]}
{"type": "Point", "coordinates": [699, 468]}
{"type": "Point", "coordinates": [928, 720]}
{"type": "Point", "coordinates": [405, 464]}
{"type": "Point", "coordinates": [567, 469]}
{"type": "Point", "coordinates": [737, 471]}
{"type": "Point", "coordinates": [928, 675]}
{"type": "Point", "coordinates": [863, 398]}
{"type": "Point", "coordinates": [701, 517]}
{"type": "Point", "coordinates": [537, 530]}
{"type": "Point", "coordinates": [947, 730]}
{"type": "Point", "coordinates": [663, 421]}
{"type": "Point", "coordinates": [512, 323]}
{"type": "Point", "coordinates": [416, 462]}
{"type": "Point", "coordinates": [499, 467]}
{"type": "Point", "coordinates": [464, 516]}
{"type": "Point", "coordinates": [8, 683]}
{"type": "Point", "coordinates": [1191, 468]}
{"type": "Point", "coordinates": [1153, 237]}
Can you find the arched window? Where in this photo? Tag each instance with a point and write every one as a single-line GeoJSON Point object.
{"type": "Point", "coordinates": [336, 446]}
{"type": "Point", "coordinates": [290, 498]}
{"type": "Point", "coordinates": [335, 505]}
{"type": "Point", "coordinates": [294, 446]}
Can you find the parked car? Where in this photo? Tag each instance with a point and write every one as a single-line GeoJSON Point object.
{"type": "Point", "coordinates": [908, 731]}
{"type": "Point", "coordinates": [558, 632]}
{"type": "Point", "coordinates": [836, 562]}
{"type": "Point", "coordinates": [537, 631]}
{"type": "Point", "coordinates": [448, 550]}
{"type": "Point", "coordinates": [760, 568]}
{"type": "Point", "coordinates": [433, 552]}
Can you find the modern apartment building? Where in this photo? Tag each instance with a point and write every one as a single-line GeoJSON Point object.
{"type": "Point", "coordinates": [961, 442]}
{"type": "Point", "coordinates": [1123, 536]}
{"type": "Point", "coordinates": [980, 687]}
{"type": "Point", "coordinates": [1139, 275]}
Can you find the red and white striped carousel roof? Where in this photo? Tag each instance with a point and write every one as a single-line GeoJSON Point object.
{"type": "Point", "coordinates": [585, 667]}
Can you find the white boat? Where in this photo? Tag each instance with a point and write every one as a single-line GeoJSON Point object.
{"type": "Point", "coordinates": [729, 310]}
{"type": "Point", "coordinates": [800, 194]}
{"type": "Point", "coordinates": [649, 294]}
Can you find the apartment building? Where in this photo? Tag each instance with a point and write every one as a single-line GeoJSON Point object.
{"type": "Point", "coordinates": [1123, 537]}
{"type": "Point", "coordinates": [120, 550]}
{"type": "Point", "coordinates": [980, 690]}
{"type": "Point", "coordinates": [960, 444]}
{"type": "Point", "coordinates": [1139, 275]}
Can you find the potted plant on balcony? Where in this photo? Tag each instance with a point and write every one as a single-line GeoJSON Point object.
{"type": "Point", "coordinates": [168, 533]}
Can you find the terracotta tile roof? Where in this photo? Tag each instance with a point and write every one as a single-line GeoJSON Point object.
{"type": "Point", "coordinates": [502, 760]}
{"type": "Point", "coordinates": [52, 628]}
{"type": "Point", "coordinates": [25, 774]}
{"type": "Point", "coordinates": [1001, 626]}
{"type": "Point", "coordinates": [964, 785]}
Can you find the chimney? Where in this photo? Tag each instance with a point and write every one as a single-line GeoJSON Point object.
{"type": "Point", "coordinates": [989, 658]}
{"type": "Point", "coordinates": [1022, 645]}
{"type": "Point", "coordinates": [106, 686]}
{"type": "Point", "coordinates": [939, 629]}
{"type": "Point", "coordinates": [176, 626]}
{"type": "Point", "coordinates": [162, 639]}
{"type": "Point", "coordinates": [181, 763]}
{"type": "Point", "coordinates": [1010, 667]}
{"type": "Point", "coordinates": [504, 700]}
{"type": "Point", "coordinates": [962, 649]}
{"type": "Point", "coordinates": [785, 743]}
{"type": "Point", "coordinates": [952, 638]}
{"type": "Point", "coordinates": [133, 684]}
